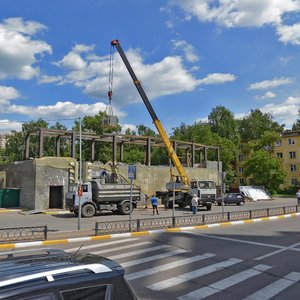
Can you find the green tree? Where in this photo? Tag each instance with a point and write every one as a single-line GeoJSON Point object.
{"type": "Point", "coordinates": [252, 126]}
{"type": "Point", "coordinates": [222, 122]}
{"type": "Point", "coordinates": [296, 125]}
{"type": "Point", "coordinates": [266, 170]}
{"type": "Point", "coordinates": [202, 133]}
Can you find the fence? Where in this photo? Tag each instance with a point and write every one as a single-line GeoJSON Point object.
{"type": "Point", "coordinates": [192, 220]}
{"type": "Point", "coordinates": [35, 233]}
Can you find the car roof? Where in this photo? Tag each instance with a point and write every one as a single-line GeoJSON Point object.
{"type": "Point", "coordinates": [37, 267]}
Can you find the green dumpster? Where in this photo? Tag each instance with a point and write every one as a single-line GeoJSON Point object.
{"type": "Point", "coordinates": [9, 198]}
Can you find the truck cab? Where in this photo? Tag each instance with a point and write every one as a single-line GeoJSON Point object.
{"type": "Point", "coordinates": [205, 190]}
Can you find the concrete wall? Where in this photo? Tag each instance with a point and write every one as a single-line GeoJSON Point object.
{"type": "Point", "coordinates": [21, 175]}
{"type": "Point", "coordinates": [154, 178]}
{"type": "Point", "coordinates": [35, 177]}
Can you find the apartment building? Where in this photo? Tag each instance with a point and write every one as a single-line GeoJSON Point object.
{"type": "Point", "coordinates": [287, 148]}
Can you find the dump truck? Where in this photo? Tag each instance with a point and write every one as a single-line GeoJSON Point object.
{"type": "Point", "coordinates": [97, 195]}
{"type": "Point", "coordinates": [184, 186]}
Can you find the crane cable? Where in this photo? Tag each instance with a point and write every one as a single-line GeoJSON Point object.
{"type": "Point", "coordinates": [111, 73]}
{"type": "Point", "coordinates": [109, 111]}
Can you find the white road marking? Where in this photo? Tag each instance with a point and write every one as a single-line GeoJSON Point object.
{"type": "Point", "coordinates": [121, 247]}
{"type": "Point", "coordinates": [152, 258]}
{"type": "Point", "coordinates": [278, 251]}
{"type": "Point", "coordinates": [137, 252]}
{"type": "Point", "coordinates": [224, 284]}
{"type": "Point", "coordinates": [283, 248]}
{"type": "Point", "coordinates": [168, 266]}
{"type": "Point", "coordinates": [275, 288]}
{"type": "Point", "coordinates": [194, 274]}
{"type": "Point", "coordinates": [102, 244]}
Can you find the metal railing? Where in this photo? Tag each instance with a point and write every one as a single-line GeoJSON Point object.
{"type": "Point", "coordinates": [32, 233]}
{"type": "Point", "coordinates": [191, 220]}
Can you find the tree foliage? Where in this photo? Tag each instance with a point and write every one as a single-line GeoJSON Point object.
{"type": "Point", "coordinates": [221, 121]}
{"type": "Point", "coordinates": [252, 126]}
{"type": "Point", "coordinates": [265, 169]}
{"type": "Point", "coordinates": [296, 125]}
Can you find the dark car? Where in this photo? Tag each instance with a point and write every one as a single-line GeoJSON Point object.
{"type": "Point", "coordinates": [52, 274]}
{"type": "Point", "coordinates": [232, 198]}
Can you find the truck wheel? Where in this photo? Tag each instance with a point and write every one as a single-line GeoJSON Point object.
{"type": "Point", "coordinates": [170, 204]}
{"type": "Point", "coordinates": [124, 209]}
{"type": "Point", "coordinates": [208, 206]}
{"type": "Point", "coordinates": [88, 211]}
{"type": "Point", "coordinates": [181, 205]}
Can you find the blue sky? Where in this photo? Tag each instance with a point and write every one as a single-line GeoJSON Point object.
{"type": "Point", "coordinates": [191, 56]}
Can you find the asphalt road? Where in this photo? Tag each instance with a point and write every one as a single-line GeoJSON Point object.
{"type": "Point", "coordinates": [68, 221]}
{"type": "Point", "coordinates": [250, 261]}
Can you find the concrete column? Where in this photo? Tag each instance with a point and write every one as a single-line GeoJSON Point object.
{"type": "Point", "coordinates": [93, 151]}
{"type": "Point", "coordinates": [205, 155]}
{"type": "Point", "coordinates": [175, 146]}
{"type": "Point", "coordinates": [73, 148]}
{"type": "Point", "coordinates": [114, 158]}
{"type": "Point", "coordinates": [41, 143]}
{"type": "Point", "coordinates": [218, 149]}
{"type": "Point", "coordinates": [121, 152]}
{"type": "Point", "coordinates": [57, 145]}
{"type": "Point", "coordinates": [148, 152]}
{"type": "Point", "coordinates": [193, 155]}
{"type": "Point", "coordinates": [187, 151]}
{"type": "Point", "coordinates": [27, 143]}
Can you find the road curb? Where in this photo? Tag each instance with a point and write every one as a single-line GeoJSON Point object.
{"type": "Point", "coordinates": [140, 233]}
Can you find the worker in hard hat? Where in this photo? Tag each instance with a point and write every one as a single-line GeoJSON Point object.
{"type": "Point", "coordinates": [194, 203]}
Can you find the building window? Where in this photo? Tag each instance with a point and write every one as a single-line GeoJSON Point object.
{"type": "Point", "coordinates": [278, 143]}
{"type": "Point", "coordinates": [292, 154]}
{"type": "Point", "coordinates": [241, 157]}
{"type": "Point", "coordinates": [241, 169]}
{"type": "Point", "coordinates": [291, 142]}
{"type": "Point", "coordinates": [293, 168]}
{"type": "Point", "coordinates": [294, 181]}
{"type": "Point", "coordinates": [279, 155]}
{"type": "Point", "coordinates": [242, 180]}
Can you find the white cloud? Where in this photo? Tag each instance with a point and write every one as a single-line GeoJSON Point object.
{"type": "Point", "coordinates": [266, 84]}
{"type": "Point", "coordinates": [50, 79]}
{"type": "Point", "coordinates": [128, 126]}
{"type": "Point", "coordinates": [267, 95]}
{"type": "Point", "coordinates": [18, 50]}
{"type": "Point", "coordinates": [8, 93]}
{"type": "Point", "coordinates": [65, 109]}
{"type": "Point", "coordinates": [285, 112]}
{"type": "Point", "coordinates": [289, 34]}
{"type": "Point", "coordinates": [216, 78]}
{"type": "Point", "coordinates": [7, 126]}
{"type": "Point", "coordinates": [189, 51]}
{"type": "Point", "coordinates": [166, 77]}
{"type": "Point", "coordinates": [245, 13]}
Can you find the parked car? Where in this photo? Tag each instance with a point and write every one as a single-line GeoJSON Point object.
{"type": "Point", "coordinates": [52, 274]}
{"type": "Point", "coordinates": [232, 198]}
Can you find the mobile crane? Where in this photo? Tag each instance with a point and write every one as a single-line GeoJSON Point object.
{"type": "Point", "coordinates": [185, 188]}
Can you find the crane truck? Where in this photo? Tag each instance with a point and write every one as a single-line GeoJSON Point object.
{"type": "Point", "coordinates": [185, 188]}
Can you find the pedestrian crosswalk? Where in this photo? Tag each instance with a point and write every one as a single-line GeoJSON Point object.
{"type": "Point", "coordinates": [154, 268]}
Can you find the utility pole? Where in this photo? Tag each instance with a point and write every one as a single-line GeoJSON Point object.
{"type": "Point", "coordinates": [80, 176]}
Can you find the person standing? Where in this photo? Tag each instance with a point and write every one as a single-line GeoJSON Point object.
{"type": "Point", "coordinates": [194, 203]}
{"type": "Point", "coordinates": [146, 201]}
{"type": "Point", "coordinates": [154, 204]}
{"type": "Point", "coordinates": [298, 197]}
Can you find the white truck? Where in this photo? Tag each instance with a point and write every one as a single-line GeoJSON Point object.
{"type": "Point", "coordinates": [98, 196]}
{"type": "Point", "coordinates": [204, 189]}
